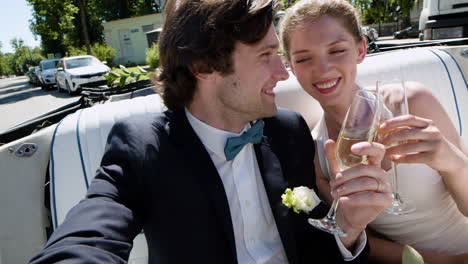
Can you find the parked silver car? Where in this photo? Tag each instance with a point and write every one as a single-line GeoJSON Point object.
{"type": "Point", "coordinates": [47, 73]}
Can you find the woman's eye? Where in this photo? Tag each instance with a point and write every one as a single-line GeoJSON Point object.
{"type": "Point", "coordinates": [338, 51]}
{"type": "Point", "coordinates": [302, 60]}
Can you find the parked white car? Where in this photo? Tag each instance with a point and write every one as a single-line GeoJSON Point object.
{"type": "Point", "coordinates": [76, 72]}
{"type": "Point", "coordinates": [47, 73]}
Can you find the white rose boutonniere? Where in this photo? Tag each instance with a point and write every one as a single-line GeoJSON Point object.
{"type": "Point", "coordinates": [300, 199]}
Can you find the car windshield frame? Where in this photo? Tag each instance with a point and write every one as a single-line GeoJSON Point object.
{"type": "Point", "coordinates": [46, 65]}
{"type": "Point", "coordinates": [81, 62]}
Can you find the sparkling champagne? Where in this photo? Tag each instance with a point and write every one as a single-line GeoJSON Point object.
{"type": "Point", "coordinates": [381, 133]}
{"type": "Point", "coordinates": [347, 138]}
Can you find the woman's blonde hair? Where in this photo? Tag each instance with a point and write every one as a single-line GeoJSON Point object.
{"type": "Point", "coordinates": [312, 10]}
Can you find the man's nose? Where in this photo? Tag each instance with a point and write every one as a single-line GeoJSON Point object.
{"type": "Point", "coordinates": [279, 70]}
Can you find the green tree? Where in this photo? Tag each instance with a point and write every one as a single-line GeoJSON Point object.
{"type": "Point", "coordinates": [76, 23]}
{"type": "Point", "coordinates": [83, 6]}
{"type": "Point", "coordinates": [287, 3]}
{"type": "Point", "coordinates": [103, 52]}
{"type": "Point", "coordinates": [53, 22]}
{"type": "Point", "coordinates": [152, 56]}
{"type": "Point", "coordinates": [384, 11]}
{"type": "Point", "coordinates": [117, 9]}
{"type": "Point", "coordinates": [23, 57]}
{"type": "Point", "coordinates": [100, 51]}
{"type": "Point", "coordinates": [9, 61]}
{"type": "Point", "coordinates": [19, 59]}
{"type": "Point", "coordinates": [405, 6]}
{"type": "Point", "coordinates": [4, 69]}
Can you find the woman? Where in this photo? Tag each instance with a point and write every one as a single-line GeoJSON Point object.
{"type": "Point", "coordinates": [323, 43]}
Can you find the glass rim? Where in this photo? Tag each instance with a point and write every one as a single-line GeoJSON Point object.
{"type": "Point", "coordinates": [360, 94]}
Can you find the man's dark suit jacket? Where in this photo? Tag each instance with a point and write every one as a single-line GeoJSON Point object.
{"type": "Point", "coordinates": [157, 175]}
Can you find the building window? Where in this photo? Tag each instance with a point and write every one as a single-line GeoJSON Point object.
{"type": "Point", "coordinates": [147, 28]}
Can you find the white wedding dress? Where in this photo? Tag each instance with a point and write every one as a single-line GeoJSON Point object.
{"type": "Point", "coordinates": [436, 224]}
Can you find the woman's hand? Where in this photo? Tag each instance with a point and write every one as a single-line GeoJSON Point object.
{"type": "Point", "coordinates": [423, 143]}
{"type": "Point", "coordinates": [363, 190]}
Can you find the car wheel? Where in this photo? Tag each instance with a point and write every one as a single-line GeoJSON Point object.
{"type": "Point", "coordinates": [58, 87]}
{"type": "Point", "coordinates": [68, 88]}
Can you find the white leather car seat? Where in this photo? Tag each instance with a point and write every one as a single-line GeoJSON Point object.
{"type": "Point", "coordinates": [76, 151]}
{"type": "Point", "coordinates": [79, 140]}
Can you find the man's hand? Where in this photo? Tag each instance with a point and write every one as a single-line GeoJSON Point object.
{"type": "Point", "coordinates": [363, 190]}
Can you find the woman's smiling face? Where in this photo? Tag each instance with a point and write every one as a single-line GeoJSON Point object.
{"type": "Point", "coordinates": [324, 57]}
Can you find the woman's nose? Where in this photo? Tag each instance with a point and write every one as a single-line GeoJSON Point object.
{"type": "Point", "coordinates": [323, 66]}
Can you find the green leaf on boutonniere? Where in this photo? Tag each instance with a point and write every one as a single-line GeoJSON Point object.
{"type": "Point", "coordinates": [411, 256]}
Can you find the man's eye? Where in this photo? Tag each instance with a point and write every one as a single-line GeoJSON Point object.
{"type": "Point", "coordinates": [266, 54]}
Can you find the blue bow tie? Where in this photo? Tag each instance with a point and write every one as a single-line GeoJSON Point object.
{"type": "Point", "coordinates": [235, 144]}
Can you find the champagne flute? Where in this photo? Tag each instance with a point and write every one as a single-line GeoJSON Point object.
{"type": "Point", "coordinates": [394, 103]}
{"type": "Point", "coordinates": [358, 126]}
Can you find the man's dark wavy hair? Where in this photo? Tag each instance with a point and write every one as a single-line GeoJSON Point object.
{"type": "Point", "coordinates": [199, 36]}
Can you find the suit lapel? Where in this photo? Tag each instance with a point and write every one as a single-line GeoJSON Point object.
{"type": "Point", "coordinates": [197, 158]}
{"type": "Point", "coordinates": [275, 184]}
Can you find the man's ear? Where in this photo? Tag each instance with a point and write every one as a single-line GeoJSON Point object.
{"type": "Point", "coordinates": [362, 50]}
{"type": "Point", "coordinates": [207, 77]}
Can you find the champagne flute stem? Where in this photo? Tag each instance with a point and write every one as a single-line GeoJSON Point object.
{"type": "Point", "coordinates": [396, 196]}
{"type": "Point", "coordinates": [332, 212]}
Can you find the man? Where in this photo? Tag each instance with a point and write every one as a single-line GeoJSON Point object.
{"type": "Point", "coordinates": [196, 200]}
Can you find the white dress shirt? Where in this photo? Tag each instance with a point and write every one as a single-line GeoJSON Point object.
{"type": "Point", "coordinates": [255, 233]}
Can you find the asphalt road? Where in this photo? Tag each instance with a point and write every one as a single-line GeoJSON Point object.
{"type": "Point", "coordinates": [20, 101]}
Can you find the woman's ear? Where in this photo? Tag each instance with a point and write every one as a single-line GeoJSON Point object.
{"type": "Point", "coordinates": [362, 50]}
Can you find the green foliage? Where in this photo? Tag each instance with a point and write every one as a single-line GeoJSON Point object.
{"type": "Point", "coordinates": [52, 21]}
{"type": "Point", "coordinates": [8, 61]}
{"type": "Point", "coordinates": [22, 58]}
{"type": "Point", "coordinates": [152, 56]}
{"type": "Point", "coordinates": [287, 3]}
{"type": "Point", "coordinates": [130, 64]}
{"type": "Point", "coordinates": [4, 67]}
{"type": "Point", "coordinates": [125, 76]}
{"type": "Point", "coordinates": [103, 52]}
{"type": "Point", "coordinates": [384, 11]}
{"type": "Point", "coordinates": [4, 70]}
{"type": "Point", "coordinates": [110, 10]}
{"type": "Point", "coordinates": [59, 25]}
{"type": "Point", "coordinates": [376, 11]}
{"type": "Point", "coordinates": [100, 51]}
{"type": "Point", "coordinates": [74, 51]}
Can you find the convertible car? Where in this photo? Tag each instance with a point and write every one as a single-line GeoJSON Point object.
{"type": "Point", "coordinates": [47, 163]}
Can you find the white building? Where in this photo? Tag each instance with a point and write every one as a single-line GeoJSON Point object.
{"type": "Point", "coordinates": [129, 39]}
